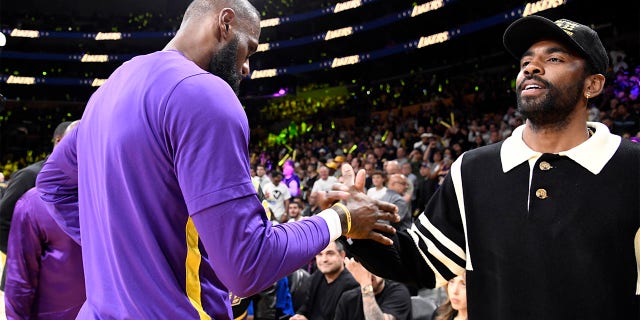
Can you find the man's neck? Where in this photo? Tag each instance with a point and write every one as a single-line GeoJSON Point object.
{"type": "Point", "coordinates": [555, 140]}
{"type": "Point", "coordinates": [333, 276]}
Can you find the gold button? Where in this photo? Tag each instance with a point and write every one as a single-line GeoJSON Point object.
{"type": "Point", "coordinates": [541, 193]}
{"type": "Point", "coordinates": [544, 166]}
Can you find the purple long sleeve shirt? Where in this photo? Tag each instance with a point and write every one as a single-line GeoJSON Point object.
{"type": "Point", "coordinates": [168, 217]}
{"type": "Point", "coordinates": [44, 265]}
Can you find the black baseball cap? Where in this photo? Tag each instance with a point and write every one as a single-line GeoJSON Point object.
{"type": "Point", "coordinates": [524, 32]}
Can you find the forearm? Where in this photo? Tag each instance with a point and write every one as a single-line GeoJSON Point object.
{"type": "Point", "coordinates": [251, 254]}
{"type": "Point", "coordinates": [370, 307]}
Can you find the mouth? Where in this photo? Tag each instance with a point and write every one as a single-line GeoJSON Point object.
{"type": "Point", "coordinates": [531, 88]}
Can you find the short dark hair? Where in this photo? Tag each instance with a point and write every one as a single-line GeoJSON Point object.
{"type": "Point", "coordinates": [60, 129]}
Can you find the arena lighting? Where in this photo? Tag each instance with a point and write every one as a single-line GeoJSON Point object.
{"type": "Point", "coordinates": [339, 62]}
{"type": "Point", "coordinates": [426, 7]}
{"type": "Point", "coordinates": [535, 7]}
{"type": "Point", "coordinates": [268, 73]}
{"type": "Point", "coordinates": [269, 22]}
{"type": "Point", "coordinates": [342, 6]}
{"type": "Point", "coordinates": [97, 82]}
{"type": "Point", "coordinates": [18, 33]}
{"type": "Point", "coordinates": [332, 34]}
{"type": "Point", "coordinates": [21, 80]}
{"type": "Point", "coordinates": [433, 39]}
{"type": "Point", "coordinates": [263, 47]}
{"type": "Point", "coordinates": [109, 36]}
{"type": "Point", "coordinates": [94, 58]}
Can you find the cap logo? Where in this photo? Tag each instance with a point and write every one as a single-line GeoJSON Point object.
{"type": "Point", "coordinates": [566, 25]}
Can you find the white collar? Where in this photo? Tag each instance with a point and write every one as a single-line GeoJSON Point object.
{"type": "Point", "coordinates": [593, 154]}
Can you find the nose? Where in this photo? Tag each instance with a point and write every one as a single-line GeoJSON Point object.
{"type": "Point", "coordinates": [246, 70]}
{"type": "Point", "coordinates": [532, 68]}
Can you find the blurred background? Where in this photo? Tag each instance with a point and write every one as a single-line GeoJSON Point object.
{"type": "Point", "coordinates": [331, 60]}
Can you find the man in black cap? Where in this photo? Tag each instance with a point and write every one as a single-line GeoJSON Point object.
{"type": "Point", "coordinates": [546, 223]}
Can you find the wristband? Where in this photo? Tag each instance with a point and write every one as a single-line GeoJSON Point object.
{"type": "Point", "coordinates": [346, 213]}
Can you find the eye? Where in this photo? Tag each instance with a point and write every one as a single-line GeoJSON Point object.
{"type": "Point", "coordinates": [554, 59]}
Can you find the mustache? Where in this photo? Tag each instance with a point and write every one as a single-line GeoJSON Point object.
{"type": "Point", "coordinates": [533, 77]}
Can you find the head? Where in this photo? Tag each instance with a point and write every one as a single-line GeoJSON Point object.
{"type": "Point", "coordinates": [260, 170]}
{"type": "Point", "coordinates": [330, 261]}
{"type": "Point", "coordinates": [457, 299]}
{"type": "Point", "coordinates": [220, 36]}
{"type": "Point", "coordinates": [424, 169]}
{"type": "Point", "coordinates": [287, 169]}
{"type": "Point", "coordinates": [398, 183]}
{"type": "Point", "coordinates": [294, 209]}
{"type": "Point", "coordinates": [457, 292]}
{"type": "Point", "coordinates": [323, 172]}
{"type": "Point", "coordinates": [276, 177]}
{"type": "Point", "coordinates": [406, 168]}
{"type": "Point", "coordinates": [392, 167]}
{"type": "Point", "coordinates": [562, 65]}
{"type": "Point", "coordinates": [377, 178]}
{"type": "Point", "coordinates": [59, 132]}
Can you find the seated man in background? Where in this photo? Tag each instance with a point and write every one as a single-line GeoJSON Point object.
{"type": "Point", "coordinates": [328, 283]}
{"type": "Point", "coordinates": [376, 298]}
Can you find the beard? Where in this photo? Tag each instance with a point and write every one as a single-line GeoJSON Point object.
{"type": "Point", "coordinates": [223, 65]}
{"type": "Point", "coordinates": [554, 109]}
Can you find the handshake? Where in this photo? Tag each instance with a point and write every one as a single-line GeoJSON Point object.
{"type": "Point", "coordinates": [361, 217]}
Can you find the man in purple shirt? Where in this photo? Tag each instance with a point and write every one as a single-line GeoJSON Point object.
{"type": "Point", "coordinates": [45, 279]}
{"type": "Point", "coordinates": [156, 179]}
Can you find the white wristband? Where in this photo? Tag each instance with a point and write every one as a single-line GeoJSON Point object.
{"type": "Point", "coordinates": [332, 219]}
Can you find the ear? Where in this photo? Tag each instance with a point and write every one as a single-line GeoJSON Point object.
{"type": "Point", "coordinates": [594, 84]}
{"type": "Point", "coordinates": [226, 16]}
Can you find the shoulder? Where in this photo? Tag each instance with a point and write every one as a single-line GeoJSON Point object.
{"type": "Point", "coordinates": [351, 295]}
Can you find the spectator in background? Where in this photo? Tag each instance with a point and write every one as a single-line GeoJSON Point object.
{"type": "Point", "coordinates": [325, 180]}
{"type": "Point", "coordinates": [328, 283]}
{"type": "Point", "coordinates": [295, 211]}
{"type": "Point", "coordinates": [396, 188]}
{"type": "Point", "coordinates": [455, 308]}
{"type": "Point", "coordinates": [291, 179]}
{"type": "Point", "coordinates": [379, 189]}
{"type": "Point", "coordinates": [308, 180]}
{"type": "Point", "coordinates": [375, 298]}
{"type": "Point", "coordinates": [277, 195]}
{"type": "Point", "coordinates": [261, 177]}
{"type": "Point", "coordinates": [313, 207]}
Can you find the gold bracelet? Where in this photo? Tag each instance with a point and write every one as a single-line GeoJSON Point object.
{"type": "Point", "coordinates": [346, 213]}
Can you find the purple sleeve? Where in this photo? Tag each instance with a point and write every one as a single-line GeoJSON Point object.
{"type": "Point", "coordinates": [58, 184]}
{"type": "Point", "coordinates": [23, 263]}
{"type": "Point", "coordinates": [247, 252]}
{"type": "Point", "coordinates": [208, 136]}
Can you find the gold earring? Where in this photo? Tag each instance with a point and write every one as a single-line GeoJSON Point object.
{"type": "Point", "coordinates": [588, 95]}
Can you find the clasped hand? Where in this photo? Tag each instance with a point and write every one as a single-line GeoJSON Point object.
{"type": "Point", "coordinates": [369, 217]}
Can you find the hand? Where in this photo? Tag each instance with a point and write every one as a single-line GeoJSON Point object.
{"type": "Point", "coordinates": [298, 317]}
{"type": "Point", "coordinates": [327, 198]}
{"type": "Point", "coordinates": [366, 213]}
{"type": "Point", "coordinates": [362, 275]}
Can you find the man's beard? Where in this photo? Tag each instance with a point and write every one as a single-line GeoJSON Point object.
{"type": "Point", "coordinates": [552, 110]}
{"type": "Point", "coordinates": [223, 65]}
